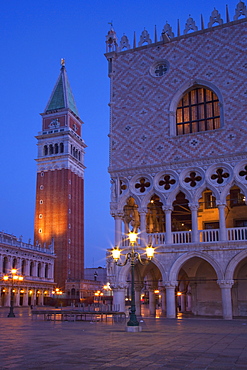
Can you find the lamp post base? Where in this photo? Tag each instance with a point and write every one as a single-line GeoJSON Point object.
{"type": "Point", "coordinates": [11, 312]}
{"type": "Point", "coordinates": [133, 329]}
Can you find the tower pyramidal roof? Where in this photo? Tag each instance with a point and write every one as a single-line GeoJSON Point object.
{"type": "Point", "coordinates": [62, 96]}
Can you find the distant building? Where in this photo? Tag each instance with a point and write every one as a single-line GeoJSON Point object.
{"type": "Point", "coordinates": [59, 211]}
{"type": "Point", "coordinates": [178, 164]}
{"type": "Point", "coordinates": [97, 274]}
{"type": "Point", "coordinates": [34, 263]}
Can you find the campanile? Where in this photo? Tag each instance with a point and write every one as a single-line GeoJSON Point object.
{"type": "Point", "coordinates": [59, 211]}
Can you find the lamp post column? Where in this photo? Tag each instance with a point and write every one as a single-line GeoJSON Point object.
{"type": "Point", "coordinates": [132, 320]}
{"type": "Point", "coordinates": [11, 309]}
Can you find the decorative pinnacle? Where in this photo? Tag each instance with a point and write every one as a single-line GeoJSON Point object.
{"type": "Point", "coordinates": [62, 62]}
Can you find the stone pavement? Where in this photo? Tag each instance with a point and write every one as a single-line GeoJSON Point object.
{"type": "Point", "coordinates": [163, 343]}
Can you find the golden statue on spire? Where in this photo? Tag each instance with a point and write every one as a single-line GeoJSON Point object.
{"type": "Point", "coordinates": [62, 62]}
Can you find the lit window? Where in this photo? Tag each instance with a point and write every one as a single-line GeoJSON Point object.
{"type": "Point", "coordinates": [198, 110]}
{"type": "Point", "coordinates": [40, 215]}
{"type": "Point", "coordinates": [41, 201]}
{"type": "Point", "coordinates": [40, 231]}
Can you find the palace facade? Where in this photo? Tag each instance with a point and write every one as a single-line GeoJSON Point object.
{"type": "Point", "coordinates": [178, 164]}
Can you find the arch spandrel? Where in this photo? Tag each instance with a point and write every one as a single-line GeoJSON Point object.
{"type": "Point", "coordinates": [180, 261]}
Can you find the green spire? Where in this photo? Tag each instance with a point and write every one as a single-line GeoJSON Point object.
{"type": "Point", "coordinates": [62, 96]}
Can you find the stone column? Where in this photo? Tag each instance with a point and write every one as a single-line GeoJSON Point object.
{"type": "Point", "coordinates": [1, 264]}
{"type": "Point", "coordinates": [226, 286]}
{"type": "Point", "coordinates": [222, 221]}
{"type": "Point", "coordinates": [163, 301]}
{"type": "Point", "coordinates": [183, 302]}
{"type": "Point", "coordinates": [17, 297]}
{"type": "Point", "coordinates": [27, 272]}
{"type": "Point", "coordinates": [168, 212]}
{"type": "Point", "coordinates": [41, 298]}
{"type": "Point", "coordinates": [42, 271]}
{"type": "Point", "coordinates": [170, 299]}
{"type": "Point", "coordinates": [118, 229]}
{"type": "Point", "coordinates": [119, 298]}
{"type": "Point", "coordinates": [25, 297]}
{"type": "Point", "coordinates": [143, 234]}
{"type": "Point", "coordinates": [152, 303]}
{"type": "Point", "coordinates": [194, 220]}
{"type": "Point", "coordinates": [138, 289]}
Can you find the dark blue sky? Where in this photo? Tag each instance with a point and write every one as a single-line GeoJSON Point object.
{"type": "Point", "coordinates": [34, 35]}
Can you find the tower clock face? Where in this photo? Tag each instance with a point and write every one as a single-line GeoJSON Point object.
{"type": "Point", "coordinates": [54, 123]}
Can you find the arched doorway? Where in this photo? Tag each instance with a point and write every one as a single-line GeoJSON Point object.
{"type": "Point", "coordinates": [147, 281]}
{"type": "Point", "coordinates": [198, 291]}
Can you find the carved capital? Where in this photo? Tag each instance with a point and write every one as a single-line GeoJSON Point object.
{"type": "Point", "coordinates": [225, 283]}
{"type": "Point", "coordinates": [170, 284]}
{"type": "Point", "coordinates": [167, 208]}
{"type": "Point", "coordinates": [193, 206]}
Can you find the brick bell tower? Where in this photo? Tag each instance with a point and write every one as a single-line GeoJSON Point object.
{"type": "Point", "coordinates": [59, 212]}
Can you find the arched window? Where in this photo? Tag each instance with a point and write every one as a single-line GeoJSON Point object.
{"type": "Point", "coordinates": [50, 149]}
{"type": "Point", "coordinates": [39, 270]}
{"type": "Point", "coordinates": [198, 110]}
{"type": "Point", "coordinates": [56, 148]}
{"type": "Point", "coordinates": [31, 269]}
{"type": "Point", "coordinates": [5, 265]}
{"type": "Point", "coordinates": [23, 267]}
{"type": "Point", "coordinates": [46, 271]}
{"type": "Point", "coordinates": [45, 150]}
{"type": "Point", "coordinates": [14, 263]}
{"type": "Point", "coordinates": [61, 147]}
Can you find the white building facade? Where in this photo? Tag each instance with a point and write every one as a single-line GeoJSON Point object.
{"type": "Point", "coordinates": [34, 263]}
{"type": "Point", "coordinates": [178, 164]}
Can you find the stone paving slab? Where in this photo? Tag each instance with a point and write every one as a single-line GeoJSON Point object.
{"type": "Point", "coordinates": [27, 343]}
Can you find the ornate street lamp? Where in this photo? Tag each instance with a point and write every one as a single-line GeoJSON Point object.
{"type": "Point", "coordinates": [132, 257]}
{"type": "Point", "coordinates": [13, 278]}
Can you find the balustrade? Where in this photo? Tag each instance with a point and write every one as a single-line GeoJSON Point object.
{"type": "Point", "coordinates": [183, 237]}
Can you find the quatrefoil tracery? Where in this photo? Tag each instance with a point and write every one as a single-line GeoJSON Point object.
{"type": "Point", "coordinates": [193, 179]}
{"type": "Point", "coordinates": [220, 175]}
{"type": "Point", "coordinates": [142, 184]}
{"type": "Point", "coordinates": [167, 182]}
{"type": "Point", "coordinates": [244, 172]}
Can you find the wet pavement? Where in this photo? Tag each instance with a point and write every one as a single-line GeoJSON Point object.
{"type": "Point", "coordinates": [190, 343]}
